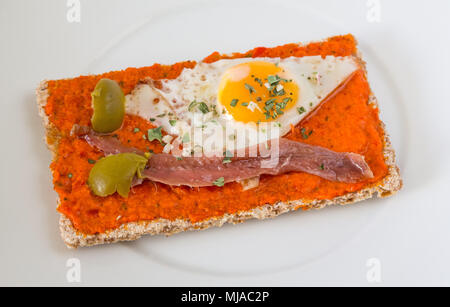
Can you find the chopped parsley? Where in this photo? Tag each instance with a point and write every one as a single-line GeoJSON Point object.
{"type": "Point", "coordinates": [286, 100]}
{"type": "Point", "coordinates": [186, 138]}
{"type": "Point", "coordinates": [226, 160]}
{"type": "Point", "coordinates": [172, 122]}
{"type": "Point", "coordinates": [219, 182]}
{"type": "Point", "coordinates": [271, 101]}
{"type": "Point", "coordinates": [250, 88]}
{"type": "Point", "coordinates": [301, 110]}
{"type": "Point", "coordinates": [69, 175]}
{"type": "Point", "coordinates": [234, 102]}
{"type": "Point", "coordinates": [228, 155]}
{"type": "Point", "coordinates": [273, 79]}
{"type": "Point", "coordinates": [201, 106]}
{"type": "Point", "coordinates": [322, 167]}
{"type": "Point", "coordinates": [304, 134]}
{"type": "Point", "coordinates": [279, 93]}
{"type": "Point", "coordinates": [154, 134]}
{"type": "Point", "coordinates": [91, 161]}
{"type": "Point", "coordinates": [273, 107]}
{"type": "Point", "coordinates": [136, 130]}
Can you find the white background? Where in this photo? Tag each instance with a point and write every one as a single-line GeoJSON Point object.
{"type": "Point", "coordinates": [408, 61]}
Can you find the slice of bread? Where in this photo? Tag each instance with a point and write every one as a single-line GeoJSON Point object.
{"type": "Point", "coordinates": [390, 184]}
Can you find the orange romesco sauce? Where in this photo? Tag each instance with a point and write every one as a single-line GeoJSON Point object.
{"type": "Point", "coordinates": [346, 122]}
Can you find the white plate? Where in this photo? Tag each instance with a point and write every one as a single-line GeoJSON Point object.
{"type": "Point", "coordinates": [406, 54]}
{"type": "Point", "coordinates": [256, 247]}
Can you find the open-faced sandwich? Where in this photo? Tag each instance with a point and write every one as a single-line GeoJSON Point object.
{"type": "Point", "coordinates": [164, 149]}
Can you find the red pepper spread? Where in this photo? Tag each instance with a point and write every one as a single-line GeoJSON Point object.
{"type": "Point", "coordinates": [346, 122]}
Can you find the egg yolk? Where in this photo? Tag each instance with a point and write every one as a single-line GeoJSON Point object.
{"type": "Point", "coordinates": [257, 91]}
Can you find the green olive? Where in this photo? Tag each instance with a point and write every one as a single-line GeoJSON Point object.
{"type": "Point", "coordinates": [115, 173]}
{"type": "Point", "coordinates": [108, 102]}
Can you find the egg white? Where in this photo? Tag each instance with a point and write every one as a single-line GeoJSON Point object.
{"type": "Point", "coordinates": [216, 130]}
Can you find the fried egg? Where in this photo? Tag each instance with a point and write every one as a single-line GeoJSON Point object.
{"type": "Point", "coordinates": [237, 103]}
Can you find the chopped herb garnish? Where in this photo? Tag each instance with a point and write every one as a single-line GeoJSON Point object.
{"type": "Point", "coordinates": [192, 105]}
{"type": "Point", "coordinates": [219, 182]}
{"type": "Point", "coordinates": [244, 104]}
{"type": "Point", "coordinates": [250, 88]}
{"type": "Point", "coordinates": [228, 155]}
{"type": "Point", "coordinates": [234, 102]}
{"type": "Point", "coordinates": [179, 158]}
{"type": "Point", "coordinates": [287, 99]}
{"type": "Point", "coordinates": [280, 92]}
{"type": "Point", "coordinates": [301, 110]}
{"type": "Point", "coordinates": [136, 130]}
{"type": "Point", "coordinates": [69, 175]}
{"type": "Point", "coordinates": [203, 107]}
{"type": "Point", "coordinates": [273, 79]}
{"type": "Point", "coordinates": [152, 119]}
{"type": "Point", "coordinates": [91, 161]}
{"type": "Point", "coordinates": [155, 134]}
{"type": "Point", "coordinates": [322, 167]}
{"type": "Point", "coordinates": [272, 112]}
{"type": "Point", "coordinates": [172, 122]}
{"type": "Point", "coordinates": [271, 101]}
{"type": "Point", "coordinates": [186, 138]}
{"type": "Point", "coordinates": [161, 115]}
{"type": "Point", "coordinates": [304, 134]}
{"type": "Point", "coordinates": [226, 160]}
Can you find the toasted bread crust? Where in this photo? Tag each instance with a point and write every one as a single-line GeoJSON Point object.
{"type": "Point", "coordinates": [134, 230]}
